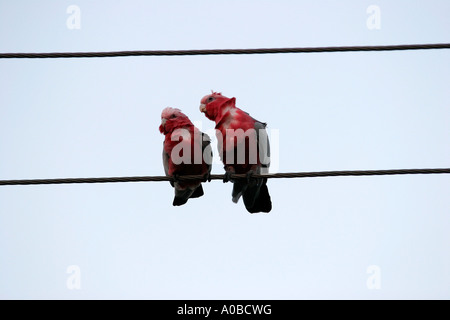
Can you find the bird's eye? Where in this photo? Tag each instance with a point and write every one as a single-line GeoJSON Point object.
{"type": "Point", "coordinates": [172, 116]}
{"type": "Point", "coordinates": [210, 99]}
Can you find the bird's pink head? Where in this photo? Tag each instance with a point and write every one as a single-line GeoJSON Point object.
{"type": "Point", "coordinates": [173, 118]}
{"type": "Point", "coordinates": [212, 104]}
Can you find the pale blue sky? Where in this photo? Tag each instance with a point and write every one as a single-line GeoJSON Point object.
{"type": "Point", "coordinates": [333, 111]}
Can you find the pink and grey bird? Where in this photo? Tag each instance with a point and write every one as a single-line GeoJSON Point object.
{"type": "Point", "coordinates": [244, 149]}
{"type": "Point", "coordinates": [186, 151]}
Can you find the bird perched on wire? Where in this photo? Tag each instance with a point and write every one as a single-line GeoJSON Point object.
{"type": "Point", "coordinates": [186, 151]}
{"type": "Point", "coordinates": [243, 148]}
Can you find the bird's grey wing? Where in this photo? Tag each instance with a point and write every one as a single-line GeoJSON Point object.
{"type": "Point", "coordinates": [207, 151]}
{"type": "Point", "coordinates": [166, 157]}
{"type": "Point", "coordinates": [263, 145]}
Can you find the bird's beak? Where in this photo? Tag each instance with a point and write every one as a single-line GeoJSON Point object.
{"type": "Point", "coordinates": [203, 107]}
{"type": "Point", "coordinates": [163, 122]}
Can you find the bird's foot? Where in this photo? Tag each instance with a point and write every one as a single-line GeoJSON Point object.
{"type": "Point", "coordinates": [249, 175]}
{"type": "Point", "coordinates": [228, 172]}
{"type": "Point", "coordinates": [206, 177]}
{"type": "Point", "coordinates": [227, 176]}
{"type": "Point", "coordinates": [176, 177]}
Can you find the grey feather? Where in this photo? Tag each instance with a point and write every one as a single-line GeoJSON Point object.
{"type": "Point", "coordinates": [166, 158]}
{"type": "Point", "coordinates": [255, 193]}
{"type": "Point", "coordinates": [182, 195]}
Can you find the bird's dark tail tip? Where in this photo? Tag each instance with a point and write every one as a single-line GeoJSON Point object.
{"type": "Point", "coordinates": [262, 202]}
{"type": "Point", "coordinates": [179, 201]}
{"type": "Point", "coordinates": [198, 192]}
{"type": "Point", "coordinates": [183, 196]}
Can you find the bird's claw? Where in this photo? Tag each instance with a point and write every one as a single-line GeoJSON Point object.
{"type": "Point", "coordinates": [249, 175]}
{"type": "Point", "coordinates": [176, 177]}
{"type": "Point", "coordinates": [207, 177]}
{"type": "Point", "coordinates": [227, 176]}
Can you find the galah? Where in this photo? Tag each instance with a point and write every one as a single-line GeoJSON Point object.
{"type": "Point", "coordinates": [186, 151]}
{"type": "Point", "coordinates": [243, 148]}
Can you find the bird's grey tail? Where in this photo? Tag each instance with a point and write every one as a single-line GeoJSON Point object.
{"type": "Point", "coordinates": [257, 198]}
{"type": "Point", "coordinates": [182, 196]}
{"type": "Point", "coordinates": [198, 192]}
{"type": "Point", "coordinates": [238, 189]}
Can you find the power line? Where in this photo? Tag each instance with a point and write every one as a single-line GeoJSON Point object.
{"type": "Point", "coordinates": [223, 51]}
{"type": "Point", "coordinates": [221, 176]}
